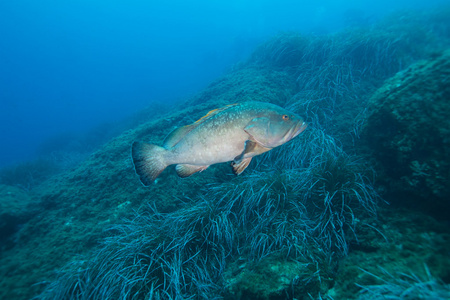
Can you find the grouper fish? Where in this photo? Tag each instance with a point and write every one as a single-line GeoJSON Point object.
{"type": "Point", "coordinates": [235, 133]}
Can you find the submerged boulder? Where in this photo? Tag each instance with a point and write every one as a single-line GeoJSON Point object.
{"type": "Point", "coordinates": [15, 210]}
{"type": "Point", "coordinates": [408, 129]}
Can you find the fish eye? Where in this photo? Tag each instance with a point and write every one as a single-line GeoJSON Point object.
{"type": "Point", "coordinates": [285, 117]}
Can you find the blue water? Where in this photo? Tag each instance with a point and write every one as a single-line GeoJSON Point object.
{"type": "Point", "coordinates": [68, 66]}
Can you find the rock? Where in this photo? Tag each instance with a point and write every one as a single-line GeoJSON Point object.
{"type": "Point", "coordinates": [14, 211]}
{"type": "Point", "coordinates": [408, 129]}
{"type": "Point", "coordinates": [273, 278]}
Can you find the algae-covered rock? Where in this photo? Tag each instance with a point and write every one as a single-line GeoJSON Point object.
{"type": "Point", "coordinates": [274, 278]}
{"type": "Point", "coordinates": [407, 245]}
{"type": "Point", "coordinates": [254, 83]}
{"type": "Point", "coordinates": [14, 212]}
{"type": "Point", "coordinates": [409, 133]}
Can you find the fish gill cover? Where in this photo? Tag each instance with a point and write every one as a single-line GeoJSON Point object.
{"type": "Point", "coordinates": [306, 221]}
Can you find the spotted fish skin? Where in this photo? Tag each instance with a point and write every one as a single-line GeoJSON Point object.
{"type": "Point", "coordinates": [236, 133]}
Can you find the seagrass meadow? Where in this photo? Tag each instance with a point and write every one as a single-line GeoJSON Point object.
{"type": "Point", "coordinates": [356, 207]}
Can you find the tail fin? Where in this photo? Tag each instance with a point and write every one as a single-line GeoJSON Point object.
{"type": "Point", "coordinates": [148, 161]}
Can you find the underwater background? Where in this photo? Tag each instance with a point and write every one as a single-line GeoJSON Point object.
{"type": "Point", "coordinates": [355, 207]}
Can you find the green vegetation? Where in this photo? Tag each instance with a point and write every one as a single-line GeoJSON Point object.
{"type": "Point", "coordinates": [307, 212]}
{"type": "Point", "coordinates": [405, 286]}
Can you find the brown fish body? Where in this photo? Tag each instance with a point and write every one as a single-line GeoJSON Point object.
{"type": "Point", "coordinates": [235, 133]}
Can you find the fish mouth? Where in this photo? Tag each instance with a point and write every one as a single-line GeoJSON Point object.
{"type": "Point", "coordinates": [294, 131]}
{"type": "Point", "coordinates": [299, 128]}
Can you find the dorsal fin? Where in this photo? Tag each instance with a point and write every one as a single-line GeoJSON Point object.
{"type": "Point", "coordinates": [213, 113]}
{"type": "Point", "coordinates": [177, 134]}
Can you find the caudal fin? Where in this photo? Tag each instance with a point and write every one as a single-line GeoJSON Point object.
{"type": "Point", "coordinates": [148, 161]}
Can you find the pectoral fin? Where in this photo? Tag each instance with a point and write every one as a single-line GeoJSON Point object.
{"type": "Point", "coordinates": [186, 170]}
{"type": "Point", "coordinates": [251, 149]}
{"type": "Point", "coordinates": [238, 168]}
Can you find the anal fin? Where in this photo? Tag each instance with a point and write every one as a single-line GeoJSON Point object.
{"type": "Point", "coordinates": [185, 170]}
